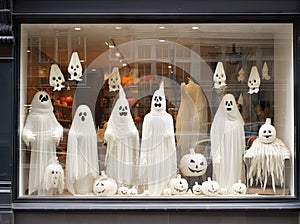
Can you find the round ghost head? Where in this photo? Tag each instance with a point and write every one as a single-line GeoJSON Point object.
{"type": "Point", "coordinates": [219, 76]}
{"type": "Point", "coordinates": [56, 78]}
{"type": "Point", "coordinates": [41, 100]}
{"type": "Point", "coordinates": [267, 132]}
{"type": "Point", "coordinates": [75, 68]}
{"type": "Point", "coordinates": [158, 102]}
{"type": "Point", "coordinates": [114, 80]}
{"type": "Point", "coordinates": [254, 81]}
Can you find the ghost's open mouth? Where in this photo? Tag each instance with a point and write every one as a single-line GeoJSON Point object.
{"type": "Point", "coordinates": [228, 109]}
{"type": "Point", "coordinates": [157, 104]}
{"type": "Point", "coordinates": [267, 136]}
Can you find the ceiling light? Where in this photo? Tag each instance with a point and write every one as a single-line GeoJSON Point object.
{"type": "Point", "coordinates": [195, 28]}
{"type": "Point", "coordinates": [118, 28]}
{"type": "Point", "coordinates": [162, 41]}
{"type": "Point", "coordinates": [161, 27]}
{"type": "Point", "coordinates": [77, 28]}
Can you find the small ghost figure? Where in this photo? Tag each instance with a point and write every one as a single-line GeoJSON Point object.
{"type": "Point", "coordinates": [241, 76]}
{"type": "Point", "coordinates": [114, 80]}
{"type": "Point", "coordinates": [42, 133]}
{"type": "Point", "coordinates": [122, 139]}
{"type": "Point", "coordinates": [219, 77]}
{"type": "Point", "coordinates": [158, 160]}
{"type": "Point", "coordinates": [75, 68]}
{"type": "Point", "coordinates": [227, 143]}
{"type": "Point", "coordinates": [54, 179]}
{"type": "Point", "coordinates": [56, 78]}
{"type": "Point", "coordinates": [254, 81]}
{"type": "Point", "coordinates": [265, 72]}
{"type": "Point", "coordinates": [266, 157]}
{"type": "Point", "coordinates": [82, 153]}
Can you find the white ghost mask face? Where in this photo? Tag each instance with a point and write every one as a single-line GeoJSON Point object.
{"type": "Point", "coordinates": [267, 132]}
{"type": "Point", "coordinates": [228, 105]}
{"type": "Point", "coordinates": [254, 81]}
{"type": "Point", "coordinates": [56, 78]}
{"type": "Point", "coordinates": [114, 80]}
{"type": "Point", "coordinates": [219, 76]}
{"type": "Point", "coordinates": [75, 68]}
{"type": "Point", "coordinates": [158, 102]}
{"type": "Point", "coordinates": [123, 111]}
{"type": "Point", "coordinates": [41, 100]}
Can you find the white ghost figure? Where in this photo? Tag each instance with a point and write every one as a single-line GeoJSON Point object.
{"type": "Point", "coordinates": [122, 139]}
{"type": "Point", "coordinates": [158, 151]}
{"type": "Point", "coordinates": [266, 157]}
{"type": "Point", "coordinates": [192, 118]}
{"type": "Point", "coordinates": [265, 72]}
{"type": "Point", "coordinates": [75, 68]}
{"type": "Point", "coordinates": [56, 78]}
{"type": "Point", "coordinates": [54, 179]}
{"type": "Point", "coordinates": [241, 76]}
{"type": "Point", "coordinates": [219, 77]}
{"type": "Point", "coordinates": [227, 143]}
{"type": "Point", "coordinates": [114, 80]}
{"type": "Point", "coordinates": [82, 153]}
{"type": "Point", "coordinates": [42, 133]}
{"type": "Point", "coordinates": [254, 81]}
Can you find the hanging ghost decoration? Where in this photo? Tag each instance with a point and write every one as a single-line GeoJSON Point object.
{"type": "Point", "coordinates": [241, 76]}
{"type": "Point", "coordinates": [219, 77]}
{"type": "Point", "coordinates": [122, 139]}
{"type": "Point", "coordinates": [42, 134]}
{"type": "Point", "coordinates": [227, 143]}
{"type": "Point", "coordinates": [114, 80]}
{"type": "Point", "coordinates": [158, 151]}
{"type": "Point", "coordinates": [82, 153]}
{"type": "Point", "coordinates": [254, 81]}
{"type": "Point", "coordinates": [56, 78]}
{"type": "Point", "coordinates": [75, 68]}
{"type": "Point", "coordinates": [265, 72]}
{"type": "Point", "coordinates": [266, 157]}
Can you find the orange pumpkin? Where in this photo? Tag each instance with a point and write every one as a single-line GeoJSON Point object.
{"type": "Point", "coordinates": [126, 80]}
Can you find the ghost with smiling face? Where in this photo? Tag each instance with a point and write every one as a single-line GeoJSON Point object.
{"type": "Point", "coordinates": [122, 139]}
{"type": "Point", "coordinates": [227, 143]}
{"type": "Point", "coordinates": [266, 157]}
{"type": "Point", "coordinates": [42, 134]}
{"type": "Point", "coordinates": [82, 153]}
{"type": "Point", "coordinates": [158, 150]}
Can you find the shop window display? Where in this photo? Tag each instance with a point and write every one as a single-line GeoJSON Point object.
{"type": "Point", "coordinates": [156, 110]}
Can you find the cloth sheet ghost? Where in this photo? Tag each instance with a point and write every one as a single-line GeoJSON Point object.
{"type": "Point", "coordinates": [254, 80]}
{"type": "Point", "coordinates": [82, 153]}
{"type": "Point", "coordinates": [56, 78]}
{"type": "Point", "coordinates": [227, 143]}
{"type": "Point", "coordinates": [219, 76]}
{"type": "Point", "coordinates": [42, 133]}
{"type": "Point", "coordinates": [265, 72]}
{"type": "Point", "coordinates": [75, 68]}
{"type": "Point", "coordinates": [158, 151]}
{"type": "Point", "coordinates": [114, 80]}
{"type": "Point", "coordinates": [266, 157]}
{"type": "Point", "coordinates": [192, 118]}
{"type": "Point", "coordinates": [123, 144]}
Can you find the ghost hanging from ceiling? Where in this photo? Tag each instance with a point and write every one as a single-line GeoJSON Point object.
{"type": "Point", "coordinates": [227, 143]}
{"type": "Point", "coordinates": [56, 78]}
{"type": "Point", "coordinates": [219, 77]}
{"type": "Point", "coordinates": [265, 72]}
{"type": "Point", "coordinates": [75, 68]}
{"type": "Point", "coordinates": [254, 81]}
{"type": "Point", "coordinates": [158, 151]}
{"type": "Point", "coordinates": [42, 134]}
{"type": "Point", "coordinates": [266, 157]}
{"type": "Point", "coordinates": [241, 76]}
{"type": "Point", "coordinates": [82, 153]}
{"type": "Point", "coordinates": [114, 80]}
{"type": "Point", "coordinates": [122, 139]}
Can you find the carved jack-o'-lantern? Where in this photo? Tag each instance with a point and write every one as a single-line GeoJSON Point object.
{"type": "Point", "coordinates": [126, 80]}
{"type": "Point", "coordinates": [193, 164]}
{"type": "Point", "coordinates": [197, 189]}
{"type": "Point", "coordinates": [132, 191]}
{"type": "Point", "coordinates": [267, 132]}
{"type": "Point", "coordinates": [239, 188]}
{"type": "Point", "coordinates": [123, 190]}
{"type": "Point", "coordinates": [210, 187]}
{"type": "Point", "coordinates": [178, 185]}
{"type": "Point", "coordinates": [105, 186]}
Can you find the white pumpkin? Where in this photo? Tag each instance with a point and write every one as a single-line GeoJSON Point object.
{"type": "Point", "coordinates": [104, 186]}
{"type": "Point", "coordinates": [267, 132]}
{"type": "Point", "coordinates": [123, 190]}
{"type": "Point", "coordinates": [132, 191]}
{"type": "Point", "coordinates": [167, 191]}
{"type": "Point", "coordinates": [178, 185]}
{"type": "Point", "coordinates": [193, 164]}
{"type": "Point", "coordinates": [210, 187]}
{"type": "Point", "coordinates": [197, 189]}
{"type": "Point", "coordinates": [239, 188]}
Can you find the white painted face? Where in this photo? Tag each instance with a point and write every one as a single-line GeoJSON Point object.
{"type": "Point", "coordinates": [75, 68]}
{"type": "Point", "coordinates": [123, 110]}
{"type": "Point", "coordinates": [254, 81]}
{"type": "Point", "coordinates": [158, 102]}
{"type": "Point", "coordinates": [56, 78]}
{"type": "Point", "coordinates": [54, 174]}
{"type": "Point", "coordinates": [267, 132]}
{"type": "Point", "coordinates": [114, 80]}
{"type": "Point", "coordinates": [229, 105]}
{"type": "Point", "coordinates": [219, 77]}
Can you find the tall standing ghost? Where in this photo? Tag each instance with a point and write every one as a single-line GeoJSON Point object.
{"type": "Point", "coordinates": [114, 80]}
{"type": "Point", "coordinates": [227, 143]}
{"type": "Point", "coordinates": [254, 81]}
{"type": "Point", "coordinates": [42, 133]}
{"type": "Point", "coordinates": [75, 68]}
{"type": "Point", "coordinates": [219, 76]}
{"type": "Point", "coordinates": [82, 153]}
{"type": "Point", "coordinates": [158, 151]}
{"type": "Point", "coordinates": [56, 78]}
{"type": "Point", "coordinates": [122, 139]}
